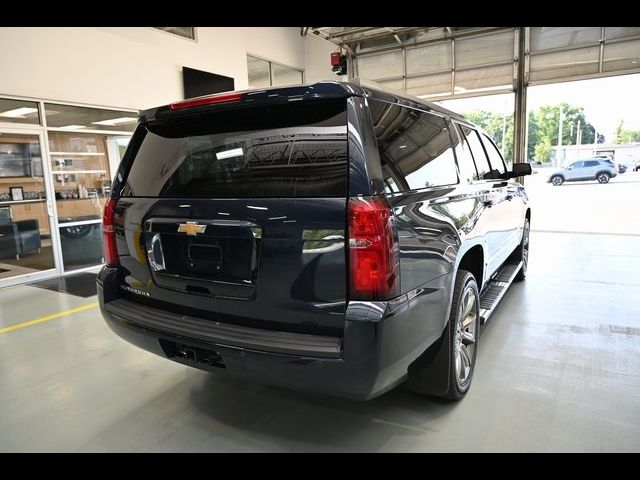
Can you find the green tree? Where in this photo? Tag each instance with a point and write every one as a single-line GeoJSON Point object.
{"type": "Point", "coordinates": [548, 118]}
{"type": "Point", "coordinates": [494, 123]}
{"type": "Point", "coordinates": [479, 117]}
{"type": "Point", "coordinates": [543, 127]}
{"type": "Point", "coordinates": [544, 123]}
{"type": "Point", "coordinates": [532, 135]}
{"type": "Point", "coordinates": [543, 151]}
{"type": "Point", "coordinates": [630, 136]}
{"type": "Point", "coordinates": [618, 132]}
{"type": "Point", "coordinates": [626, 136]}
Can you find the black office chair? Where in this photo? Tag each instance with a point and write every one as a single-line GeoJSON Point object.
{"type": "Point", "coordinates": [29, 231]}
{"type": "Point", "coordinates": [18, 238]}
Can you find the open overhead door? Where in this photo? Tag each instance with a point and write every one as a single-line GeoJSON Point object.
{"type": "Point", "coordinates": [450, 62]}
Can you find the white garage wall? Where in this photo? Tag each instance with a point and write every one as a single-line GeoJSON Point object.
{"type": "Point", "coordinates": [318, 59]}
{"type": "Point", "coordinates": [140, 67]}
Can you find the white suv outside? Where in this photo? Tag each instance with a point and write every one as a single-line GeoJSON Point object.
{"type": "Point", "coordinates": [598, 169]}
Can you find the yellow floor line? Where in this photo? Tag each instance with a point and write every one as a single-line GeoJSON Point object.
{"type": "Point", "coordinates": [47, 318]}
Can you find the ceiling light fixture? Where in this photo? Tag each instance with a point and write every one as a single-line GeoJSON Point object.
{"type": "Point", "coordinates": [18, 112]}
{"type": "Point", "coordinates": [234, 152]}
{"type": "Point", "coordinates": [115, 121]}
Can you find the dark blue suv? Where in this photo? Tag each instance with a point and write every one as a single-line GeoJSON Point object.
{"type": "Point", "coordinates": [325, 237]}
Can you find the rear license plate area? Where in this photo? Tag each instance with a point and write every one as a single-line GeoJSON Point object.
{"type": "Point", "coordinates": [222, 260]}
{"type": "Point", "coordinates": [215, 259]}
{"type": "Point", "coordinates": [201, 253]}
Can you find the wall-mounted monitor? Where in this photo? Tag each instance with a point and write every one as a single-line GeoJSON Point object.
{"type": "Point", "coordinates": [199, 82]}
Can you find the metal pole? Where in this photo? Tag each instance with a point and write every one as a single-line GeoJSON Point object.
{"type": "Point", "coordinates": [559, 160]}
{"type": "Point", "coordinates": [504, 124]}
{"type": "Point", "coordinates": [404, 70]}
{"type": "Point", "coordinates": [578, 135]}
{"type": "Point", "coordinates": [350, 67]}
{"type": "Point", "coordinates": [520, 120]}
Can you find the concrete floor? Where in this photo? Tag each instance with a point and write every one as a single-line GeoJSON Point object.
{"type": "Point", "coordinates": [558, 370]}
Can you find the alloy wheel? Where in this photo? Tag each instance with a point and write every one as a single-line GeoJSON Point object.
{"type": "Point", "coordinates": [465, 338]}
{"type": "Point", "coordinates": [525, 246]}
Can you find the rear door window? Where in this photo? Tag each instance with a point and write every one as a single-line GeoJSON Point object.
{"type": "Point", "coordinates": [495, 159]}
{"type": "Point", "coordinates": [297, 149]}
{"type": "Point", "coordinates": [483, 170]}
{"type": "Point", "coordinates": [465, 159]}
{"type": "Point", "coordinates": [414, 146]}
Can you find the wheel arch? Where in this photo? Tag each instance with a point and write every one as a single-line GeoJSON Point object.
{"type": "Point", "coordinates": [472, 259]}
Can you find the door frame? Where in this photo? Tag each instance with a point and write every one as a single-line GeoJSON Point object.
{"type": "Point", "coordinates": [42, 131]}
{"type": "Point", "coordinates": [50, 205]}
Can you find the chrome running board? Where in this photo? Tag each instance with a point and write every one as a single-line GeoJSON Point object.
{"type": "Point", "coordinates": [495, 290]}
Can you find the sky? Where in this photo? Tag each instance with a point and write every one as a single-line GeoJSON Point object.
{"type": "Point", "coordinates": [606, 101]}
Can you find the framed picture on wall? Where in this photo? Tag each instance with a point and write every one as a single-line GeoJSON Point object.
{"type": "Point", "coordinates": [16, 193]}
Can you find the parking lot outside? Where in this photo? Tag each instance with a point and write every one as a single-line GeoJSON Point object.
{"type": "Point", "coordinates": [587, 207]}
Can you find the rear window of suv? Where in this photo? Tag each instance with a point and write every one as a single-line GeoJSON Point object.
{"type": "Point", "coordinates": [297, 149]}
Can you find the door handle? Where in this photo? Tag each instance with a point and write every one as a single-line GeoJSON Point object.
{"type": "Point", "coordinates": [509, 196]}
{"type": "Point", "coordinates": [486, 198]}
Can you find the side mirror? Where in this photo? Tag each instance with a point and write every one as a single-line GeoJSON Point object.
{"type": "Point", "coordinates": [519, 170]}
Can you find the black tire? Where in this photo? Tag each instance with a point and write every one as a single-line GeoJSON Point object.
{"type": "Point", "coordinates": [465, 281]}
{"type": "Point", "coordinates": [557, 180]}
{"type": "Point", "coordinates": [522, 252]}
{"type": "Point", "coordinates": [603, 177]}
{"type": "Point", "coordinates": [434, 372]}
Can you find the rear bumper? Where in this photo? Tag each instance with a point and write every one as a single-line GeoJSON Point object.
{"type": "Point", "coordinates": [380, 341]}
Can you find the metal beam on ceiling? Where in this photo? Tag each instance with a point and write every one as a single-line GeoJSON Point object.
{"type": "Point", "coordinates": [342, 36]}
{"type": "Point", "coordinates": [350, 36]}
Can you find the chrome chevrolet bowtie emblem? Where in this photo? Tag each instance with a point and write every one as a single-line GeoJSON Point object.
{"type": "Point", "coordinates": [191, 228]}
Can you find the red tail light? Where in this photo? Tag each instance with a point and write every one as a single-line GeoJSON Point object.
{"type": "Point", "coordinates": [208, 100]}
{"type": "Point", "coordinates": [109, 234]}
{"type": "Point", "coordinates": [373, 250]}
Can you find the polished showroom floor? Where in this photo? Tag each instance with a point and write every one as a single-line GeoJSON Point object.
{"type": "Point", "coordinates": [558, 370]}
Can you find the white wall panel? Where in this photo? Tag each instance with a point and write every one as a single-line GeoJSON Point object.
{"type": "Point", "coordinates": [382, 65]}
{"type": "Point", "coordinates": [395, 85]}
{"type": "Point", "coordinates": [618, 32]}
{"type": "Point", "coordinates": [484, 49]}
{"type": "Point", "coordinates": [429, 58]}
{"type": "Point", "coordinates": [621, 56]}
{"type": "Point", "coordinates": [484, 78]}
{"type": "Point", "coordinates": [563, 64]}
{"type": "Point", "coordinates": [436, 84]}
{"type": "Point", "coordinates": [136, 67]}
{"type": "Point", "coordinates": [543, 38]}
